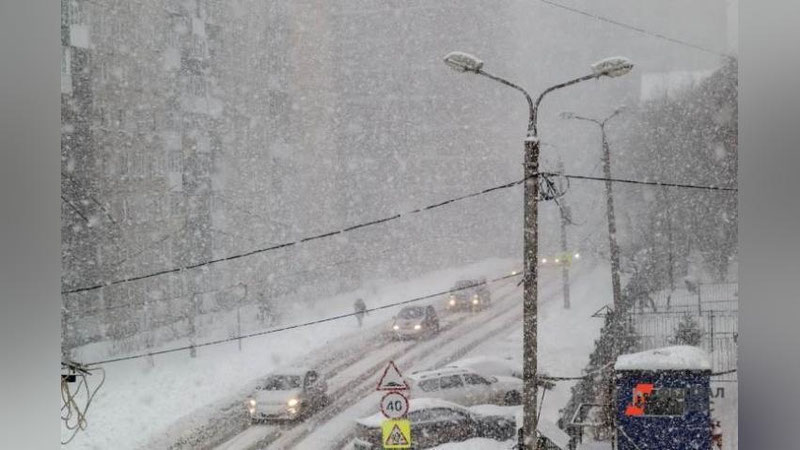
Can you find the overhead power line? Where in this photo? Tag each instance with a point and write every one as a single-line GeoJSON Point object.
{"type": "Point", "coordinates": [294, 243]}
{"type": "Point", "coordinates": [299, 325]}
{"type": "Point", "coordinates": [380, 221]}
{"type": "Point", "coordinates": [635, 28]}
{"type": "Point", "coordinates": [644, 182]}
{"type": "Point", "coordinates": [151, 302]}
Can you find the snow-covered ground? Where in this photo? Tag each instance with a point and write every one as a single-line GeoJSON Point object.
{"type": "Point", "coordinates": [139, 402]}
{"type": "Point", "coordinates": [152, 406]}
{"type": "Point", "coordinates": [144, 406]}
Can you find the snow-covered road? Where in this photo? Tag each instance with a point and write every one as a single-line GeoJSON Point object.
{"type": "Point", "coordinates": [353, 387]}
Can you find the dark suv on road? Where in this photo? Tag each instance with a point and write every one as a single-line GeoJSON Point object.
{"type": "Point", "coordinates": [469, 295]}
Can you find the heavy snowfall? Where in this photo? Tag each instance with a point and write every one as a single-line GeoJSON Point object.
{"type": "Point", "coordinates": [384, 224]}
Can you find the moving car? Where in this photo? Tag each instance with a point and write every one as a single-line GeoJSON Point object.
{"type": "Point", "coordinates": [415, 322]}
{"type": "Point", "coordinates": [435, 422]}
{"type": "Point", "coordinates": [469, 295]}
{"type": "Point", "coordinates": [466, 387]}
{"type": "Point", "coordinates": [288, 394]}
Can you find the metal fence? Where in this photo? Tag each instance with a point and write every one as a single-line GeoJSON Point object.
{"type": "Point", "coordinates": [712, 307]}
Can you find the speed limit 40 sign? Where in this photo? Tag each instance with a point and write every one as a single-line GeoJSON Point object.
{"type": "Point", "coordinates": [394, 405]}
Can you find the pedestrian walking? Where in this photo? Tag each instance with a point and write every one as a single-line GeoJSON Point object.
{"type": "Point", "coordinates": [361, 310]}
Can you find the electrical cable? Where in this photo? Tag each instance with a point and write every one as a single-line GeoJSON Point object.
{"type": "Point", "coordinates": [72, 414]}
{"type": "Point", "coordinates": [634, 28]}
{"type": "Point", "coordinates": [380, 221]}
{"type": "Point", "coordinates": [648, 183]}
{"type": "Point", "coordinates": [301, 325]}
{"type": "Point", "coordinates": [280, 277]}
{"type": "Point", "coordinates": [297, 242]}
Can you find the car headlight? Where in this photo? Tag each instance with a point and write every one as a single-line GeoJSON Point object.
{"type": "Point", "coordinates": [544, 260]}
{"type": "Point", "coordinates": [252, 402]}
{"type": "Point", "coordinates": [417, 326]}
{"type": "Point", "coordinates": [474, 301]}
{"type": "Point", "coordinates": [452, 302]}
{"type": "Point", "coordinates": [292, 402]}
{"type": "Point", "coordinates": [396, 327]}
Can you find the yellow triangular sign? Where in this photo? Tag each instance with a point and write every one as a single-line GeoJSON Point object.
{"type": "Point", "coordinates": [396, 437]}
{"type": "Point", "coordinates": [396, 433]}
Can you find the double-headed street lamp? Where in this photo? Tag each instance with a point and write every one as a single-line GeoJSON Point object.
{"type": "Point", "coordinates": [612, 226]}
{"type": "Point", "coordinates": [611, 67]}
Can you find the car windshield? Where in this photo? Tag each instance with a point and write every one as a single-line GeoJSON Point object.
{"type": "Point", "coordinates": [411, 313]}
{"type": "Point", "coordinates": [282, 383]}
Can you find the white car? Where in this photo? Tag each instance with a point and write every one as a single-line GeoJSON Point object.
{"type": "Point", "coordinates": [466, 387]}
{"type": "Point", "coordinates": [288, 394]}
{"type": "Point", "coordinates": [491, 366]}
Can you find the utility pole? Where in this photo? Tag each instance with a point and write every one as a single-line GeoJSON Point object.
{"type": "Point", "coordinates": [566, 219]}
{"type": "Point", "coordinates": [193, 312]}
{"type": "Point", "coordinates": [611, 67]}
{"type": "Point", "coordinates": [612, 224]}
{"type": "Point", "coordinates": [239, 315]}
{"type": "Point", "coordinates": [670, 262]}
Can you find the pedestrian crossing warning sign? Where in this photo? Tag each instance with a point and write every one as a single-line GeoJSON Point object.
{"type": "Point", "coordinates": [396, 433]}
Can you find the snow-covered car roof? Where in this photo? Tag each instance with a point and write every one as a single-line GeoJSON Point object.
{"type": "Point", "coordinates": [490, 365]}
{"type": "Point", "coordinates": [678, 357]}
{"type": "Point", "coordinates": [425, 374]}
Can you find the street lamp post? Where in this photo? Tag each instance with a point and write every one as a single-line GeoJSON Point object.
{"type": "Point", "coordinates": [612, 225]}
{"type": "Point", "coordinates": [464, 62]}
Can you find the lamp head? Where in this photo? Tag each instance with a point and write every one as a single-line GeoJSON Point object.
{"type": "Point", "coordinates": [463, 62]}
{"type": "Point", "coordinates": [615, 66]}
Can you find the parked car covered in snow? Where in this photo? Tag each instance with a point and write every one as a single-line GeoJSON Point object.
{"type": "Point", "coordinates": [288, 394]}
{"type": "Point", "coordinates": [469, 295]}
{"type": "Point", "coordinates": [491, 366]}
{"type": "Point", "coordinates": [435, 422]}
{"type": "Point", "coordinates": [415, 322]}
{"type": "Point", "coordinates": [465, 387]}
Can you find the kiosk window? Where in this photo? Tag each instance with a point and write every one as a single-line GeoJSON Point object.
{"type": "Point", "coordinates": [666, 402]}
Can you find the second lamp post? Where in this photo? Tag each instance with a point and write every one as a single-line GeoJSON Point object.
{"type": "Point", "coordinates": [612, 224]}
